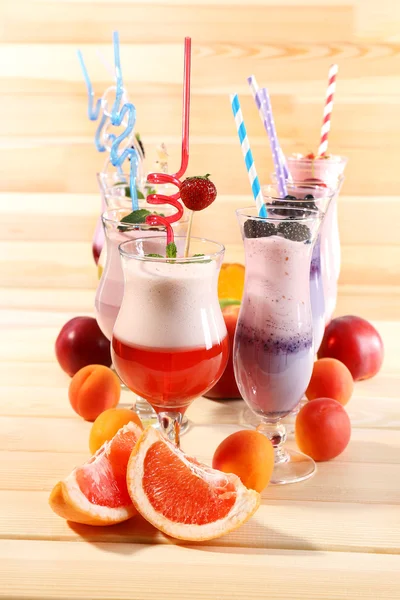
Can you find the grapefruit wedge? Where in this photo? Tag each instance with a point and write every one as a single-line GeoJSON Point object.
{"type": "Point", "coordinates": [182, 497]}
{"type": "Point", "coordinates": [96, 493]}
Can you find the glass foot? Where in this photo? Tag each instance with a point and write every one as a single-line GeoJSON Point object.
{"type": "Point", "coordinates": [292, 467]}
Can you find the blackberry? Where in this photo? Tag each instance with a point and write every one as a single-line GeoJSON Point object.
{"type": "Point", "coordinates": [283, 204]}
{"type": "Point", "coordinates": [297, 232]}
{"type": "Point", "coordinates": [257, 229]}
{"type": "Point", "coordinates": [308, 197]}
{"type": "Point", "coordinates": [289, 197]}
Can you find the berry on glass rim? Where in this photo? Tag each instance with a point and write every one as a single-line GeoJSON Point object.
{"type": "Point", "coordinates": [198, 192]}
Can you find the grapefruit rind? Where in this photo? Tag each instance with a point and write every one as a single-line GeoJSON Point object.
{"type": "Point", "coordinates": [68, 501]}
{"type": "Point", "coordinates": [246, 503]}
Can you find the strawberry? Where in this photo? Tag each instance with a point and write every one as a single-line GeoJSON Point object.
{"type": "Point", "coordinates": [198, 192]}
{"type": "Point", "coordinates": [311, 156]}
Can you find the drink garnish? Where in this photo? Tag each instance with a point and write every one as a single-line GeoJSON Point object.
{"type": "Point", "coordinates": [137, 216]}
{"type": "Point", "coordinates": [196, 194]}
{"type": "Point", "coordinates": [297, 232]}
{"type": "Point", "coordinates": [256, 229]}
{"type": "Point", "coordinates": [171, 250]}
{"type": "Point", "coordinates": [153, 256]}
{"type": "Point", "coordinates": [127, 190]}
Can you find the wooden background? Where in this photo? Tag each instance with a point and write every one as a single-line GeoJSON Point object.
{"type": "Point", "coordinates": [46, 140]}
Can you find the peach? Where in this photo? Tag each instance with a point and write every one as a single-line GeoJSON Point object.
{"type": "Point", "coordinates": [330, 379]}
{"type": "Point", "coordinates": [249, 455]}
{"type": "Point", "coordinates": [356, 343]}
{"type": "Point", "coordinates": [108, 423]}
{"type": "Point", "coordinates": [81, 343]}
{"type": "Point", "coordinates": [93, 390]}
{"type": "Point", "coordinates": [322, 429]}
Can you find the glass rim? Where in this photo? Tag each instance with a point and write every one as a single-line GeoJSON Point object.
{"type": "Point", "coordinates": [315, 215]}
{"type": "Point", "coordinates": [178, 259]}
{"type": "Point", "coordinates": [106, 219]}
{"type": "Point", "coordinates": [327, 196]}
{"type": "Point", "coordinates": [331, 160]}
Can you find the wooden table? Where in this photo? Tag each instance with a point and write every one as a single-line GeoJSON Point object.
{"type": "Point", "coordinates": [336, 536]}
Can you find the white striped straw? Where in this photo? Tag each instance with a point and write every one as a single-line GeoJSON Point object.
{"type": "Point", "coordinates": [254, 89]}
{"type": "Point", "coordinates": [326, 123]}
{"type": "Point", "coordinates": [247, 155]}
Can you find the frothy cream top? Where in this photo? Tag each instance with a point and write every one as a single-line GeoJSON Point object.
{"type": "Point", "coordinates": [170, 305]}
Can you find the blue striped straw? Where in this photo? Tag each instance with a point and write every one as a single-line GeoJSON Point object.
{"type": "Point", "coordinates": [247, 155]}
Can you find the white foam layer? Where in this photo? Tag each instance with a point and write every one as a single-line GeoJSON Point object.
{"type": "Point", "coordinates": [170, 305]}
{"type": "Point", "coordinates": [277, 286]}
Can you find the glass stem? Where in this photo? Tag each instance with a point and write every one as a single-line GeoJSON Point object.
{"type": "Point", "coordinates": [276, 433]}
{"type": "Point", "coordinates": [170, 424]}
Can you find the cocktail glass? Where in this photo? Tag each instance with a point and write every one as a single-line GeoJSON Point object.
{"type": "Point", "coordinates": [273, 348]}
{"type": "Point", "coordinates": [330, 247]}
{"type": "Point", "coordinates": [321, 200]}
{"type": "Point", "coordinates": [115, 193]}
{"type": "Point", "coordinates": [110, 290]}
{"type": "Point", "coordinates": [327, 171]}
{"type": "Point", "coordinates": [170, 342]}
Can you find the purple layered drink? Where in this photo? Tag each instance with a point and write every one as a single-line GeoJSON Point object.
{"type": "Point", "coordinates": [274, 350]}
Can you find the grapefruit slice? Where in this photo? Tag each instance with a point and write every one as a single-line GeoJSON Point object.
{"type": "Point", "coordinates": [182, 497]}
{"type": "Point", "coordinates": [96, 493]}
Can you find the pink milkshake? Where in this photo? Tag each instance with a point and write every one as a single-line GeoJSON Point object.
{"type": "Point", "coordinates": [312, 197]}
{"type": "Point", "coordinates": [324, 171]}
{"type": "Point", "coordinates": [110, 290]}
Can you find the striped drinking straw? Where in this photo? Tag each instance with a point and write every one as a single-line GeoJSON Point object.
{"type": "Point", "coordinates": [247, 155]}
{"type": "Point", "coordinates": [254, 90]}
{"type": "Point", "coordinates": [326, 123]}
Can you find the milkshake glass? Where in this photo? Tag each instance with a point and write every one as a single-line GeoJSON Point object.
{"type": "Point", "coordinates": [170, 341]}
{"type": "Point", "coordinates": [115, 193]}
{"type": "Point", "coordinates": [107, 179]}
{"type": "Point", "coordinates": [110, 290]}
{"type": "Point", "coordinates": [318, 198]}
{"type": "Point", "coordinates": [326, 171]}
{"type": "Point", "coordinates": [273, 348]}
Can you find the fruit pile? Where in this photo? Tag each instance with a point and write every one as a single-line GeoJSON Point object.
{"type": "Point", "coordinates": [139, 471]}
{"type": "Point", "coordinates": [132, 470]}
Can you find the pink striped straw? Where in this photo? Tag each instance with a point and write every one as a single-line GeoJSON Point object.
{"type": "Point", "coordinates": [326, 124]}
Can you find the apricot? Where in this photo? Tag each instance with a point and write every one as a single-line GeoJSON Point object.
{"type": "Point", "coordinates": [108, 423]}
{"type": "Point", "coordinates": [330, 379]}
{"type": "Point", "coordinates": [93, 390]}
{"type": "Point", "coordinates": [231, 281]}
{"type": "Point", "coordinates": [249, 455]}
{"type": "Point", "coordinates": [322, 429]}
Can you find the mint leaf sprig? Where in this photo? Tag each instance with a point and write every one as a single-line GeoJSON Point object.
{"type": "Point", "coordinates": [171, 250]}
{"type": "Point", "coordinates": [136, 217]}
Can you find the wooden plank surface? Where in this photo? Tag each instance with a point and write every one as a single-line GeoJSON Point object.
{"type": "Point", "coordinates": [334, 537]}
{"type": "Point", "coordinates": [225, 573]}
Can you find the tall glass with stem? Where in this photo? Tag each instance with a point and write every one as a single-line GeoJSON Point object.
{"type": "Point", "coordinates": [170, 342]}
{"type": "Point", "coordinates": [312, 197]}
{"type": "Point", "coordinates": [273, 349]}
{"type": "Point", "coordinates": [110, 290]}
{"type": "Point", "coordinates": [324, 170]}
